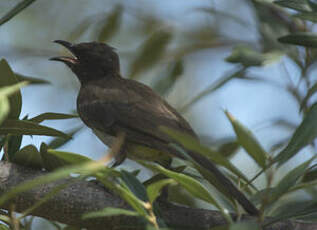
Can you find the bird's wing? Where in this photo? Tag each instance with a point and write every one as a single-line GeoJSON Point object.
{"type": "Point", "coordinates": [138, 113]}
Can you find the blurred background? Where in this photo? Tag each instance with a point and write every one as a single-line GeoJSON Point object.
{"type": "Point", "coordinates": [203, 56]}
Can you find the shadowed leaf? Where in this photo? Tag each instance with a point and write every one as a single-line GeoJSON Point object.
{"type": "Point", "coordinates": [310, 92]}
{"type": "Point", "coordinates": [293, 210]}
{"type": "Point", "coordinates": [303, 135]}
{"type": "Point", "coordinates": [154, 189]}
{"type": "Point", "coordinates": [111, 24]}
{"type": "Point", "coordinates": [191, 185]}
{"type": "Point", "coordinates": [15, 10]}
{"type": "Point", "coordinates": [192, 144]}
{"type": "Point", "coordinates": [53, 159]}
{"type": "Point", "coordinates": [135, 186]}
{"type": "Point", "coordinates": [164, 84]}
{"type": "Point", "coordinates": [300, 5]}
{"type": "Point", "coordinates": [59, 141]}
{"type": "Point", "coordinates": [8, 78]}
{"type": "Point", "coordinates": [20, 127]}
{"type": "Point", "coordinates": [288, 181]}
{"type": "Point", "coordinates": [150, 52]}
{"type": "Point", "coordinates": [306, 39]}
{"type": "Point", "coordinates": [52, 116]}
{"type": "Point", "coordinates": [28, 156]}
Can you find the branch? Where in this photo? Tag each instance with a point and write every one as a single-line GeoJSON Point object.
{"type": "Point", "coordinates": [81, 197]}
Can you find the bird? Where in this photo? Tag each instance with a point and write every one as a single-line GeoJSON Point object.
{"type": "Point", "coordinates": [110, 104]}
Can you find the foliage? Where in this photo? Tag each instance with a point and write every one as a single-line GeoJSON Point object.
{"type": "Point", "coordinates": [285, 28]}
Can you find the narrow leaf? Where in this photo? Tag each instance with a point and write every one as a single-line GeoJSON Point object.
{"type": "Point", "coordinates": [166, 83]}
{"type": "Point", "coordinates": [4, 108]}
{"type": "Point", "coordinates": [31, 80]}
{"type": "Point", "coordinates": [193, 186]}
{"type": "Point", "coordinates": [300, 5]}
{"type": "Point", "coordinates": [293, 210]}
{"type": "Point", "coordinates": [135, 186]}
{"type": "Point", "coordinates": [303, 135]}
{"type": "Point", "coordinates": [58, 142]}
{"type": "Point", "coordinates": [150, 52]}
{"type": "Point", "coordinates": [306, 39]}
{"type": "Point", "coordinates": [15, 10]}
{"type": "Point", "coordinates": [247, 140]}
{"type": "Point", "coordinates": [53, 159]}
{"type": "Point", "coordinates": [246, 56]}
{"type": "Point", "coordinates": [310, 92]}
{"type": "Point", "coordinates": [109, 212]}
{"type": "Point", "coordinates": [111, 24]}
{"type": "Point", "coordinates": [52, 116]}
{"type": "Point", "coordinates": [21, 127]}
{"type": "Point", "coordinates": [28, 156]}
{"type": "Point", "coordinates": [8, 78]}
{"type": "Point", "coordinates": [154, 190]}
{"type": "Point", "coordinates": [192, 144]}
{"type": "Point", "coordinates": [289, 180]}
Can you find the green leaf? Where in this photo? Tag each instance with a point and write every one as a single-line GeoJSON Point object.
{"type": "Point", "coordinates": [311, 174]}
{"type": "Point", "coordinates": [306, 39]}
{"type": "Point", "coordinates": [52, 116]}
{"type": "Point", "coordinates": [228, 148]}
{"type": "Point", "coordinates": [8, 78]}
{"type": "Point", "coordinates": [53, 159]}
{"type": "Point", "coordinates": [293, 210]}
{"type": "Point", "coordinates": [14, 144]}
{"type": "Point", "coordinates": [154, 189]}
{"type": "Point", "coordinates": [246, 56]}
{"type": "Point", "coordinates": [192, 144]}
{"type": "Point", "coordinates": [303, 135]}
{"type": "Point", "coordinates": [4, 108]}
{"type": "Point", "coordinates": [21, 127]}
{"type": "Point", "coordinates": [193, 186]}
{"type": "Point", "coordinates": [135, 186]}
{"type": "Point", "coordinates": [15, 10]}
{"type": "Point", "coordinates": [131, 199]}
{"type": "Point", "coordinates": [300, 5]}
{"type": "Point", "coordinates": [110, 212]}
{"type": "Point", "coordinates": [31, 80]}
{"type": "Point", "coordinates": [59, 141]}
{"type": "Point", "coordinates": [28, 156]}
{"type": "Point", "coordinates": [310, 92]}
{"type": "Point", "coordinates": [111, 24]}
{"type": "Point", "coordinates": [150, 52]}
{"type": "Point", "coordinates": [248, 141]}
{"type": "Point", "coordinates": [307, 16]}
{"type": "Point", "coordinates": [288, 181]}
{"type": "Point", "coordinates": [164, 84]}
{"type": "Point", "coordinates": [4, 227]}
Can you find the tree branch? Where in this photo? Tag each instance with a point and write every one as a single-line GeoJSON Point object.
{"type": "Point", "coordinates": [81, 197]}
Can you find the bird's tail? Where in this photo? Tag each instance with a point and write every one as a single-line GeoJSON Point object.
{"type": "Point", "coordinates": [226, 183]}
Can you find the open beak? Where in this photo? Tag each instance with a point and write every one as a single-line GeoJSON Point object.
{"type": "Point", "coordinates": [67, 60]}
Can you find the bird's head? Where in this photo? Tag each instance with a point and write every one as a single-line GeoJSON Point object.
{"type": "Point", "coordinates": [90, 60]}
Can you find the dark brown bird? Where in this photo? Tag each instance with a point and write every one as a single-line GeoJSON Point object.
{"type": "Point", "coordinates": [110, 104]}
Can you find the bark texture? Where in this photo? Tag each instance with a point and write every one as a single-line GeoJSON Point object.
{"type": "Point", "coordinates": [81, 197]}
